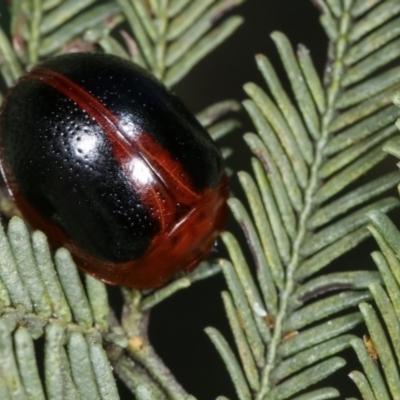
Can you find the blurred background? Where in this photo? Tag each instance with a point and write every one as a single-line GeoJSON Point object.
{"type": "Point", "coordinates": [176, 327]}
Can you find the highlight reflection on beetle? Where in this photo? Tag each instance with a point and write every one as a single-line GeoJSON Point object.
{"type": "Point", "coordinates": [109, 163]}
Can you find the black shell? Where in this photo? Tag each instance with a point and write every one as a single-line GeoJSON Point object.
{"type": "Point", "coordinates": [99, 154]}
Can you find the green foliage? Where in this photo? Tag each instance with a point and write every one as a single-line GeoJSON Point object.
{"type": "Point", "coordinates": [289, 314]}
{"type": "Point", "coordinates": [168, 38]}
{"type": "Point", "coordinates": [38, 301]}
{"type": "Point", "coordinates": [383, 322]}
{"type": "Point", "coordinates": [40, 298]}
{"type": "Point", "coordinates": [380, 359]}
{"type": "Point", "coordinates": [304, 212]}
{"type": "Point", "coordinates": [171, 37]}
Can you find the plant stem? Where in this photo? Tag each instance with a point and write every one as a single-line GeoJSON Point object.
{"type": "Point", "coordinates": [135, 322]}
{"type": "Point", "coordinates": [134, 377]}
{"type": "Point", "coordinates": [314, 181]}
{"type": "Point", "coordinates": [145, 355]}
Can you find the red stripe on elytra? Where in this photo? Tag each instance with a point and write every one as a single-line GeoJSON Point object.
{"type": "Point", "coordinates": [106, 119]}
{"type": "Point", "coordinates": [123, 148]}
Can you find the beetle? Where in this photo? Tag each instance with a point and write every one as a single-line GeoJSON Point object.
{"type": "Point", "coordinates": [109, 163]}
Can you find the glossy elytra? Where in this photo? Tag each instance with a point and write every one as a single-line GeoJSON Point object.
{"type": "Point", "coordinates": [107, 162]}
